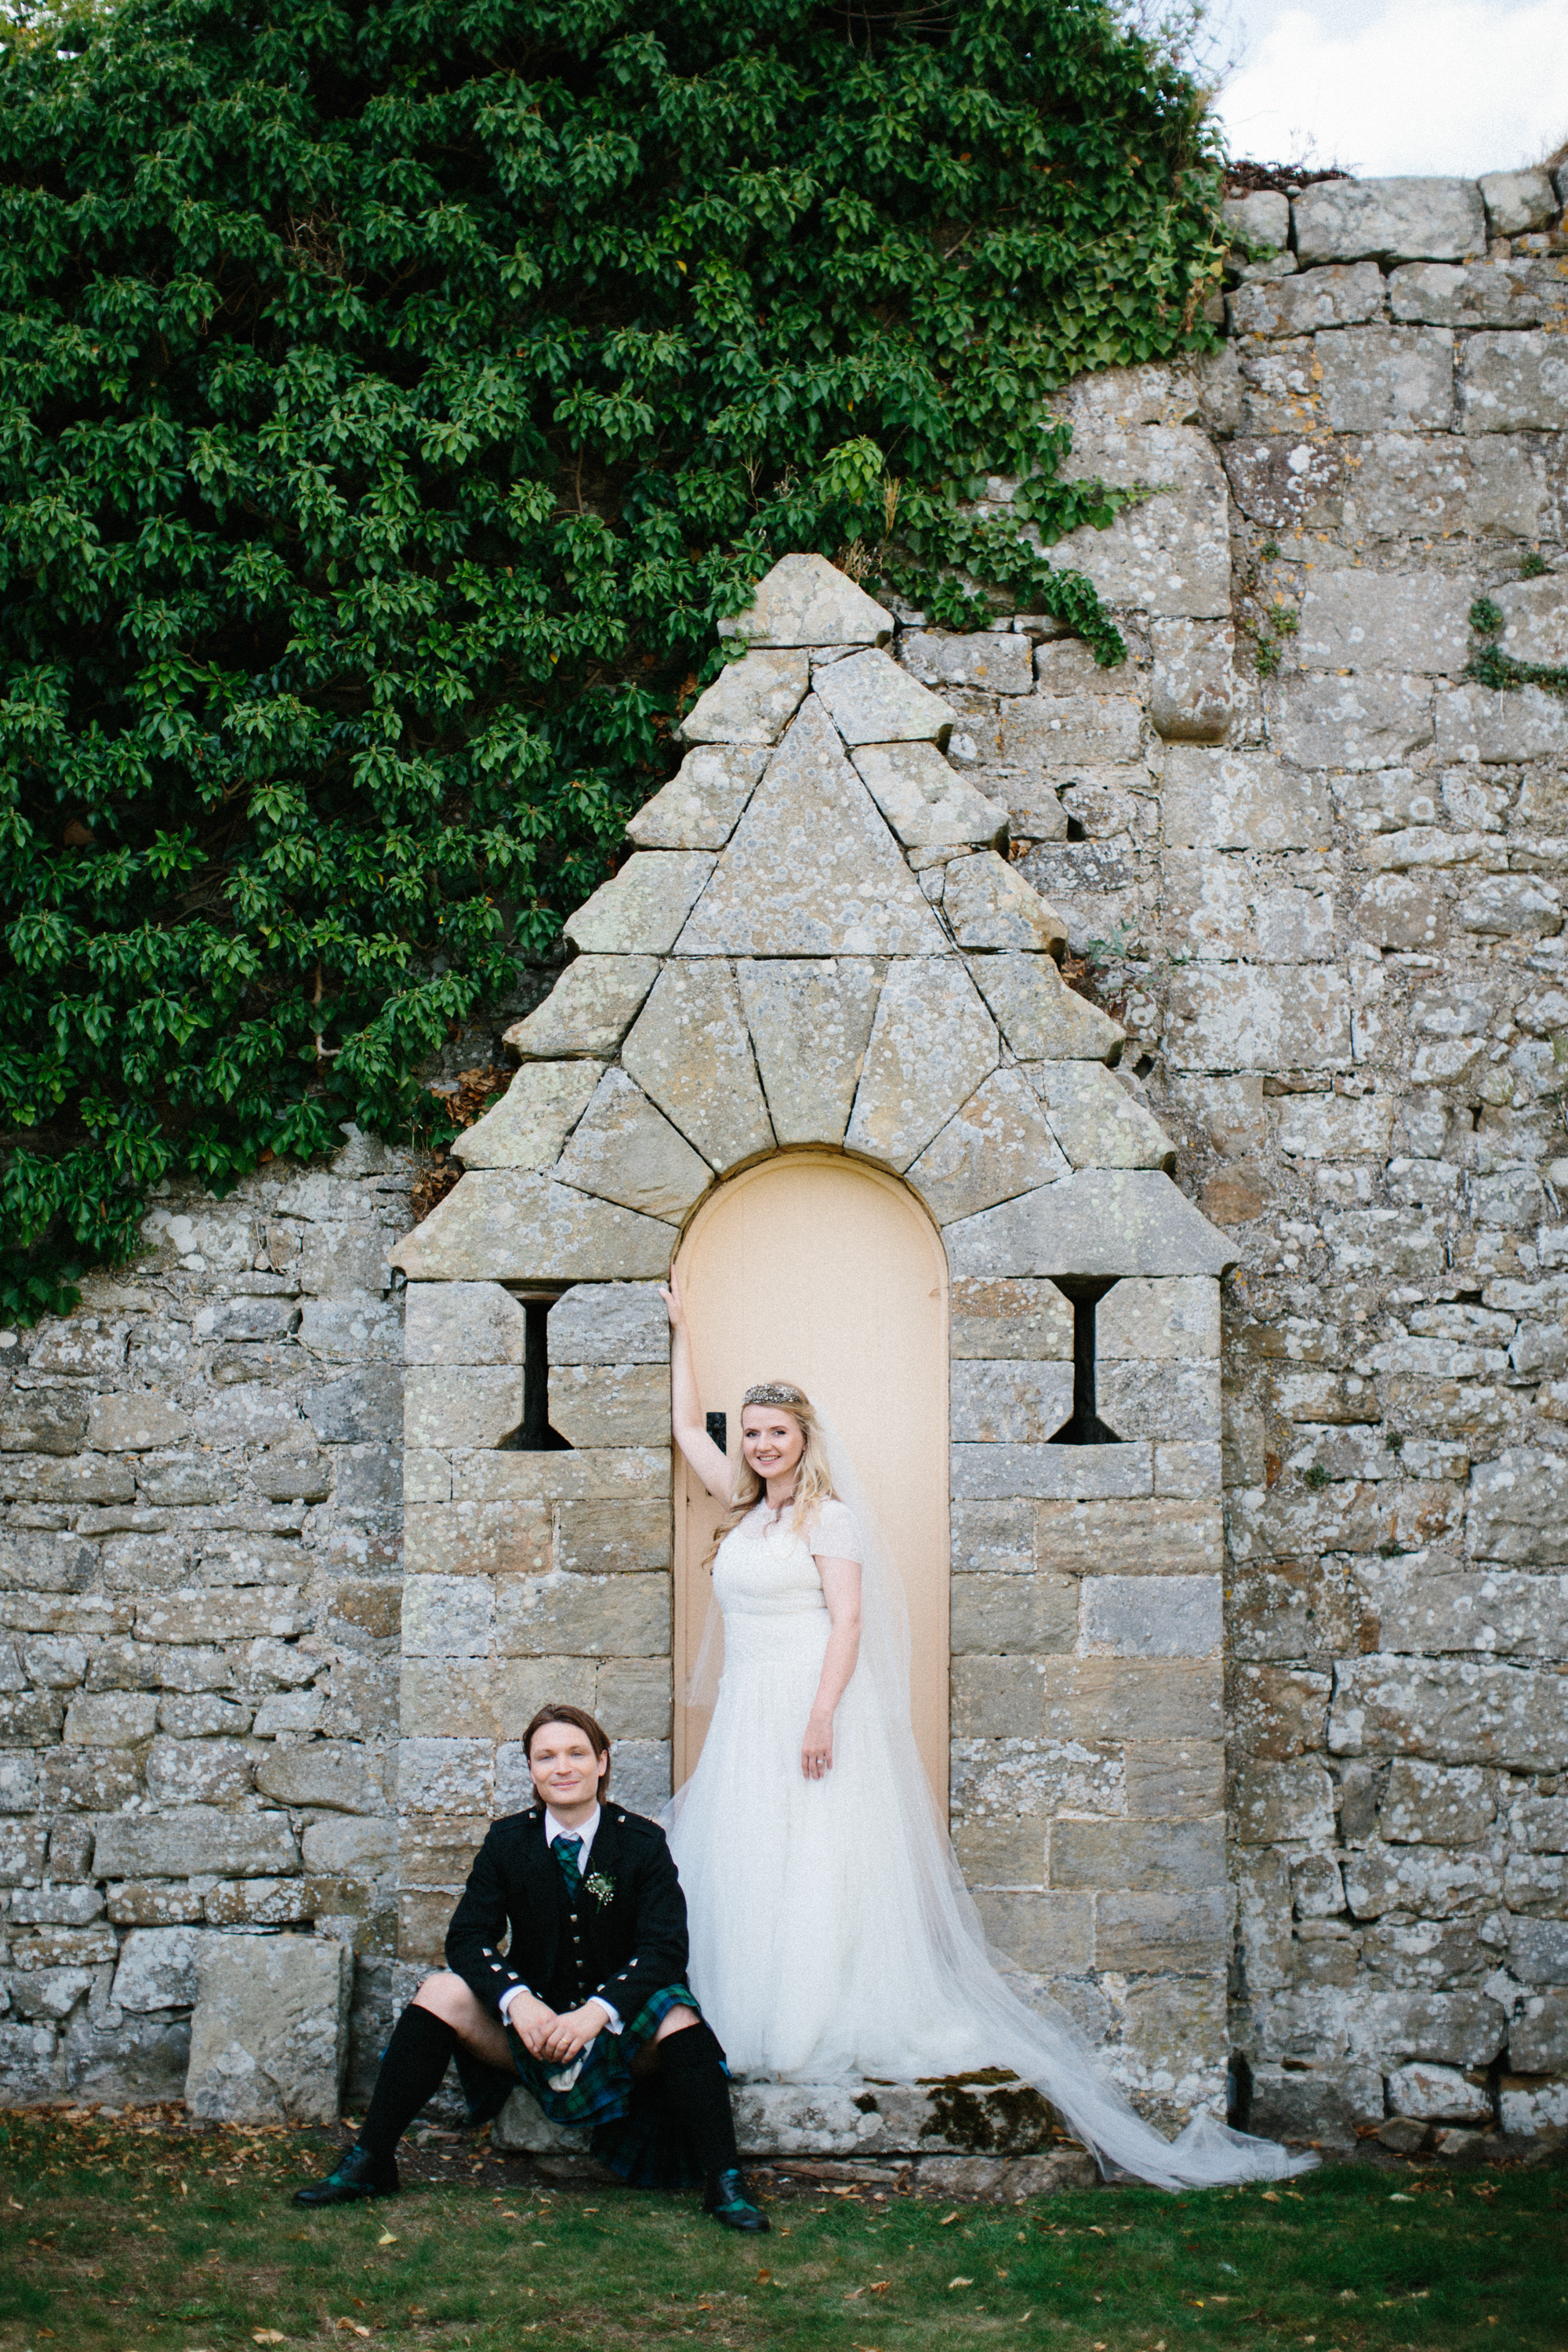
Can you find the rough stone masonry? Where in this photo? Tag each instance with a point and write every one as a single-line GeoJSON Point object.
{"type": "Point", "coordinates": [1318, 875]}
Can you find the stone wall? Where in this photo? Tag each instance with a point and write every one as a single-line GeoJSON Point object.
{"type": "Point", "coordinates": [1320, 875]}
{"type": "Point", "coordinates": [199, 1607]}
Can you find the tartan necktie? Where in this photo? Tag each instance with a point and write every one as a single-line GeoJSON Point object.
{"type": "Point", "coordinates": [568, 1852]}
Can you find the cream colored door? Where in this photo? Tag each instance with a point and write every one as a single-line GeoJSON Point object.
{"type": "Point", "coordinates": [814, 1269]}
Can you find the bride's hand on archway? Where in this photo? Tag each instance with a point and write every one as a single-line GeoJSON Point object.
{"type": "Point", "coordinates": [816, 1747]}
{"type": "Point", "coordinates": [674, 1305]}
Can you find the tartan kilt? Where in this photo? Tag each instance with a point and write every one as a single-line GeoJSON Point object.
{"type": "Point", "coordinates": [619, 2107]}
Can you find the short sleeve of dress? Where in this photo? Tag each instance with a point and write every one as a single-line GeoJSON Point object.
{"type": "Point", "coordinates": [835, 1536]}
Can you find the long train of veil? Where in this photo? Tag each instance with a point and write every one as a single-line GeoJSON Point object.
{"type": "Point", "coordinates": [1016, 2025]}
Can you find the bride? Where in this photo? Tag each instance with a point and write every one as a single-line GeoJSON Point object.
{"type": "Point", "coordinates": [832, 1936]}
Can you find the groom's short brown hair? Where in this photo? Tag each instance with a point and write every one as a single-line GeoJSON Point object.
{"type": "Point", "coordinates": [581, 1720]}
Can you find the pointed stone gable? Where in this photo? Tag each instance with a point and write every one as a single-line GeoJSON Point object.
{"type": "Point", "coordinates": [812, 870]}
{"type": "Point", "coordinates": [806, 601]}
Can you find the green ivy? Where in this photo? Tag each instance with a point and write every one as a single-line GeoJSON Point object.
{"type": "Point", "coordinates": [393, 395]}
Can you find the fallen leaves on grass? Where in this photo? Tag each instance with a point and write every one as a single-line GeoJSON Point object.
{"type": "Point", "coordinates": [386, 2239]}
{"type": "Point", "coordinates": [957, 2282]}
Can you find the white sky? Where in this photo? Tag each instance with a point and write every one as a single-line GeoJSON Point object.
{"type": "Point", "coordinates": [1392, 86]}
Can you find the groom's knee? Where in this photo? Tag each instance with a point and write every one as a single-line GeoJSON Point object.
{"type": "Point", "coordinates": [676, 2022]}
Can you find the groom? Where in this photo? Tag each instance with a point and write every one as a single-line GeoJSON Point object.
{"type": "Point", "coordinates": [567, 1955]}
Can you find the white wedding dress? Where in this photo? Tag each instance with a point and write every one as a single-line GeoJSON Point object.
{"type": "Point", "coordinates": [831, 1933]}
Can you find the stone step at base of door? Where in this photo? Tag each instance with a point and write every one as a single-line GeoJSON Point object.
{"type": "Point", "coordinates": [963, 2136]}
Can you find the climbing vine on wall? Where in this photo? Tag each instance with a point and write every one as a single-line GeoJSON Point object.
{"type": "Point", "coordinates": [393, 394]}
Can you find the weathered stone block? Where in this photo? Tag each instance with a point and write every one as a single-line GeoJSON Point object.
{"type": "Point", "coordinates": [202, 1770]}
{"type": "Point", "coordinates": [1517, 1506]}
{"type": "Point", "coordinates": [990, 661]}
{"type": "Point", "coordinates": [752, 701]}
{"type": "Point", "coordinates": [1031, 1317]}
{"type": "Point", "coordinates": [1090, 1536]}
{"type": "Point", "coordinates": [1438, 2094]}
{"type": "Point", "coordinates": [1513, 384]}
{"type": "Point", "coordinates": [447, 1617]}
{"type": "Point", "coordinates": [1434, 1882]}
{"type": "Point", "coordinates": [701, 806]}
{"type": "Point", "coordinates": [1261, 221]}
{"type": "Point", "coordinates": [1276, 1712]}
{"type": "Point", "coordinates": [1309, 299]}
{"type": "Point", "coordinates": [690, 1056]}
{"type": "Point", "coordinates": [192, 1841]}
{"type": "Point", "coordinates": [503, 1222]}
{"type": "Point", "coordinates": [1096, 1121]}
{"type": "Point", "coordinates": [812, 870]}
{"type": "Point", "coordinates": [451, 1323]}
{"type": "Point", "coordinates": [806, 601]}
{"type": "Point", "coordinates": [1424, 1804]}
{"type": "Point", "coordinates": [1538, 2037]}
{"type": "Point", "coordinates": [810, 1025]}
{"type": "Point", "coordinates": [1153, 1616]}
{"type": "Point", "coordinates": [1484, 294]}
{"type": "Point", "coordinates": [341, 1776]}
{"type": "Point", "coordinates": [527, 1126]}
{"type": "Point", "coordinates": [607, 1404]}
{"type": "Point", "coordinates": [998, 1471]}
{"type": "Point", "coordinates": [1390, 220]}
{"type": "Point", "coordinates": [1050, 1932]}
{"type": "Point", "coordinates": [933, 1042]}
{"type": "Point", "coordinates": [623, 1150]}
{"type": "Point", "coordinates": [469, 1537]}
{"type": "Point", "coordinates": [269, 2032]}
{"type": "Point", "coordinates": [1041, 1017]}
{"type": "Point", "coordinates": [1357, 723]}
{"type": "Point", "coordinates": [1117, 1221]}
{"type": "Point", "coordinates": [466, 1404]}
{"type": "Point", "coordinates": [157, 1969]}
{"type": "Point", "coordinates": [360, 1409]}
{"type": "Point", "coordinates": [111, 1719]}
{"type": "Point", "coordinates": [609, 1323]}
{"type": "Point", "coordinates": [991, 907]}
{"type": "Point", "coordinates": [447, 1775]}
{"type": "Point", "coordinates": [1517, 201]}
{"type": "Point", "coordinates": [1290, 1801]}
{"type": "Point", "coordinates": [1522, 723]}
{"type": "Point", "coordinates": [1192, 693]}
{"type": "Point", "coordinates": [353, 1330]}
{"type": "Point", "coordinates": [603, 1475]}
{"type": "Point", "coordinates": [220, 1614]}
{"type": "Point", "coordinates": [625, 1616]}
{"type": "Point", "coordinates": [1387, 379]}
{"type": "Point", "coordinates": [871, 699]}
{"type": "Point", "coordinates": [928, 804]}
{"type": "Point", "coordinates": [1385, 621]}
{"type": "Point", "coordinates": [1287, 1017]}
{"type": "Point", "coordinates": [588, 1011]}
{"type": "Point", "coordinates": [1174, 1780]}
{"type": "Point", "coordinates": [1537, 630]}
{"type": "Point", "coordinates": [1091, 1699]}
{"type": "Point", "coordinates": [1450, 1710]}
{"type": "Point", "coordinates": [1176, 1318]}
{"type": "Point", "coordinates": [995, 1146]}
{"type": "Point", "coordinates": [135, 1424]}
{"type": "Point", "coordinates": [1014, 1402]}
{"type": "Point", "coordinates": [1168, 1934]}
{"type": "Point", "coordinates": [1170, 554]}
{"type": "Point", "coordinates": [992, 1615]}
{"type": "Point", "coordinates": [1283, 480]}
{"type": "Point", "coordinates": [1327, 2109]}
{"type": "Point", "coordinates": [642, 908]}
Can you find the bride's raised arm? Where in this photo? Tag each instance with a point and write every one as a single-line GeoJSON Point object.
{"type": "Point", "coordinates": [686, 1421]}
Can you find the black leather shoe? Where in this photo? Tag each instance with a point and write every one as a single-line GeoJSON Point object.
{"type": "Point", "coordinates": [727, 2198]}
{"type": "Point", "coordinates": [360, 2175]}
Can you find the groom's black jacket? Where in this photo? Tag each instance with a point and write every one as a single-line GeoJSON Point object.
{"type": "Point", "coordinates": [566, 1948]}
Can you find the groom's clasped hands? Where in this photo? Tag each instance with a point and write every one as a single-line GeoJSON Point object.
{"type": "Point", "coordinates": [545, 2033]}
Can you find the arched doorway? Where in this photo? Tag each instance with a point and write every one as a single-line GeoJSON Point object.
{"type": "Point", "coordinates": [817, 1268]}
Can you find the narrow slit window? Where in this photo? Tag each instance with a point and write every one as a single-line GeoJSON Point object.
{"type": "Point", "coordinates": [1084, 1427]}
{"type": "Point", "coordinates": [534, 1434]}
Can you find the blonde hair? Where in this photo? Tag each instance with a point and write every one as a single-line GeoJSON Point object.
{"type": "Point", "coordinates": [812, 1479]}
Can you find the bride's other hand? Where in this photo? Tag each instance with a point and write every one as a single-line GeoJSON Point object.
{"type": "Point", "coordinates": [816, 1747]}
{"type": "Point", "coordinates": [674, 1305]}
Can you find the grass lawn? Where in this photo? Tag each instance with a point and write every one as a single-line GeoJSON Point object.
{"type": "Point", "coordinates": [123, 2233]}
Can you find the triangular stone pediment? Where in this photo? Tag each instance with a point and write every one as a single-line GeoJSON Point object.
{"type": "Point", "coordinates": [812, 870]}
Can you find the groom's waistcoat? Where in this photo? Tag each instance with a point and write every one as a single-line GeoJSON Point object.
{"type": "Point", "coordinates": [621, 1934]}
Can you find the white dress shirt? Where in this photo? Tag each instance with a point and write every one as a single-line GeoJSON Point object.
{"type": "Point", "coordinates": [585, 1831]}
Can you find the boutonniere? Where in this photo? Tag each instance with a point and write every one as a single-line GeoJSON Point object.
{"type": "Point", "coordinates": [600, 1887]}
